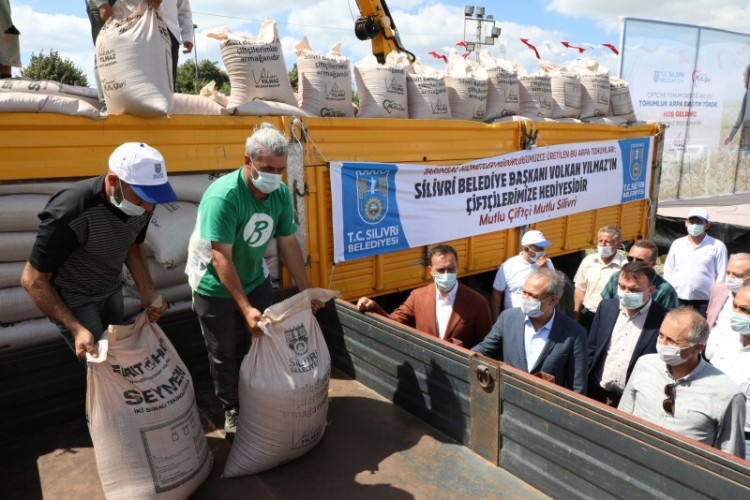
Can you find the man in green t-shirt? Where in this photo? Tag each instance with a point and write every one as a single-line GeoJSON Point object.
{"type": "Point", "coordinates": [237, 217]}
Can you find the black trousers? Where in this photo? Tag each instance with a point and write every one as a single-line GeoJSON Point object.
{"type": "Point", "coordinates": [227, 338]}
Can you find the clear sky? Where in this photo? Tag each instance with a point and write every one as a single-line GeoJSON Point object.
{"type": "Point", "coordinates": [424, 26]}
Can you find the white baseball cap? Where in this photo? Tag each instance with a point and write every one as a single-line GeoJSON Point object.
{"type": "Point", "coordinates": [701, 213]}
{"type": "Point", "coordinates": [142, 168]}
{"type": "Point", "coordinates": [535, 238]}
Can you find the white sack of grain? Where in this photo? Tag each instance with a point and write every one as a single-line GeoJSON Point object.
{"type": "Point", "coordinates": [502, 87]}
{"type": "Point", "coordinates": [594, 87]}
{"type": "Point", "coordinates": [283, 388]}
{"type": "Point", "coordinates": [382, 87]}
{"type": "Point", "coordinates": [169, 232]}
{"type": "Point", "coordinates": [426, 93]}
{"type": "Point", "coordinates": [620, 102]}
{"type": "Point", "coordinates": [255, 64]}
{"type": "Point", "coordinates": [466, 82]}
{"type": "Point", "coordinates": [325, 81]}
{"type": "Point", "coordinates": [22, 102]}
{"type": "Point", "coordinates": [134, 57]}
{"type": "Point", "coordinates": [142, 416]}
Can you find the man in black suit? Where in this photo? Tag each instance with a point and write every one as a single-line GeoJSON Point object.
{"type": "Point", "coordinates": [623, 330]}
{"type": "Point", "coordinates": [538, 338]}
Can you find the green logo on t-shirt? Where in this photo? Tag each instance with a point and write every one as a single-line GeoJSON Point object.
{"type": "Point", "coordinates": [258, 230]}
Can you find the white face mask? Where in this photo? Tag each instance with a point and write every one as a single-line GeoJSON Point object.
{"type": "Point", "coordinates": [266, 182]}
{"type": "Point", "coordinates": [531, 308]}
{"type": "Point", "coordinates": [445, 282]}
{"type": "Point", "coordinates": [606, 252]}
{"type": "Point", "coordinates": [671, 355]}
{"type": "Point", "coordinates": [695, 229]}
{"type": "Point", "coordinates": [739, 323]}
{"type": "Point", "coordinates": [632, 300]}
{"type": "Point", "coordinates": [734, 284]}
{"type": "Point", "coordinates": [126, 206]}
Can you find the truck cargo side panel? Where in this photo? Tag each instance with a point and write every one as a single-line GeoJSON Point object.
{"type": "Point", "coordinates": [401, 366]}
{"type": "Point", "coordinates": [592, 451]}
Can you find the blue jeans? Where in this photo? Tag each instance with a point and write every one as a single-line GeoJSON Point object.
{"type": "Point", "coordinates": [227, 338]}
{"type": "Point", "coordinates": [96, 317]}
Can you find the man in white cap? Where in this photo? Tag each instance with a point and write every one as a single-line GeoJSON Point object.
{"type": "Point", "coordinates": [87, 232]}
{"type": "Point", "coordinates": [695, 262]}
{"type": "Point", "coordinates": [512, 274]}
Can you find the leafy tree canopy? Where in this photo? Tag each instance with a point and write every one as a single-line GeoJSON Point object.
{"type": "Point", "coordinates": [207, 70]}
{"type": "Point", "coordinates": [53, 67]}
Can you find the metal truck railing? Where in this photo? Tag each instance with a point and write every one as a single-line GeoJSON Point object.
{"type": "Point", "coordinates": [566, 445]}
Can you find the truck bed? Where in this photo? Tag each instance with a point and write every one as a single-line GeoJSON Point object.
{"type": "Point", "coordinates": [371, 449]}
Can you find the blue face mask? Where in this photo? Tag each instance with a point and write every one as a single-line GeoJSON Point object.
{"type": "Point", "coordinates": [265, 182]}
{"type": "Point", "coordinates": [739, 323]}
{"type": "Point", "coordinates": [445, 282]}
{"type": "Point", "coordinates": [126, 206]}
{"type": "Point", "coordinates": [632, 300]}
{"type": "Point", "coordinates": [695, 229]}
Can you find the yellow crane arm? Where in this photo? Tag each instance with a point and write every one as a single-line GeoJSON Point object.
{"type": "Point", "coordinates": [375, 23]}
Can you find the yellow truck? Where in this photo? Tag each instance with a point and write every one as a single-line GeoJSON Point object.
{"type": "Point", "coordinates": [55, 147]}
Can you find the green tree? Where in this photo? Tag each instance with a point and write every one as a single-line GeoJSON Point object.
{"type": "Point", "coordinates": [207, 71]}
{"type": "Point", "coordinates": [53, 67]}
{"type": "Point", "coordinates": [294, 77]}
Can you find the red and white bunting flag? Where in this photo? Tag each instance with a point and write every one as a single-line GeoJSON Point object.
{"type": "Point", "coordinates": [612, 48]}
{"type": "Point", "coordinates": [461, 44]}
{"type": "Point", "coordinates": [580, 50]}
{"type": "Point", "coordinates": [525, 41]}
{"type": "Point", "coordinates": [438, 56]}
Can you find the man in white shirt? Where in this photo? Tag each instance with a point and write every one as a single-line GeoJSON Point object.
{"type": "Point", "coordinates": [695, 262]}
{"type": "Point", "coordinates": [179, 19]}
{"type": "Point", "coordinates": [728, 349]}
{"type": "Point", "coordinates": [512, 274]}
{"type": "Point", "coordinates": [594, 273]}
{"type": "Point", "coordinates": [624, 329]}
{"type": "Point", "coordinates": [722, 293]}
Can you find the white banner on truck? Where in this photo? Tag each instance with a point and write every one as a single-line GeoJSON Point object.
{"type": "Point", "coordinates": [384, 207]}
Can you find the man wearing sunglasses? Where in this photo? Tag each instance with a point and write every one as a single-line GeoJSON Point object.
{"type": "Point", "coordinates": [645, 251]}
{"type": "Point", "coordinates": [680, 391]}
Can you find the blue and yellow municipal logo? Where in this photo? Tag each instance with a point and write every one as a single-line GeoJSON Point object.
{"type": "Point", "coordinates": [637, 152]}
{"type": "Point", "coordinates": [372, 195]}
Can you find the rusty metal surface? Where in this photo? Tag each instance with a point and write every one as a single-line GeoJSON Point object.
{"type": "Point", "coordinates": [485, 409]}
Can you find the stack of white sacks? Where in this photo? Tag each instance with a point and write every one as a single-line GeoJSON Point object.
{"type": "Point", "coordinates": [22, 324]}
{"type": "Point", "coordinates": [488, 90]}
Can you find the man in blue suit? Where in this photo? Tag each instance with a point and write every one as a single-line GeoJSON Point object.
{"type": "Point", "coordinates": [537, 338]}
{"type": "Point", "coordinates": [623, 330]}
